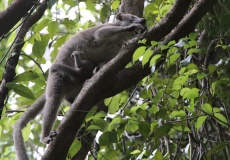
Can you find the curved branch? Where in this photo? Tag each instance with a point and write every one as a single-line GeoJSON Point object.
{"type": "Point", "coordinates": [11, 16]}
{"type": "Point", "coordinates": [131, 76]}
{"type": "Point", "coordinates": [12, 62]}
{"type": "Point", "coordinates": [99, 87]}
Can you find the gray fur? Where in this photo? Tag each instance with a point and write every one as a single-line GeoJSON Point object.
{"type": "Point", "coordinates": [75, 63]}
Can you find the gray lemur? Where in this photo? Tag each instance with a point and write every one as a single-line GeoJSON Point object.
{"type": "Point", "coordinates": [75, 62]}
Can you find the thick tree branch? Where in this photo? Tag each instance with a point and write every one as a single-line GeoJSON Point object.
{"type": "Point", "coordinates": [11, 16]}
{"type": "Point", "coordinates": [99, 87]}
{"type": "Point", "coordinates": [134, 7]}
{"type": "Point", "coordinates": [130, 76]}
{"type": "Point", "coordinates": [12, 62]}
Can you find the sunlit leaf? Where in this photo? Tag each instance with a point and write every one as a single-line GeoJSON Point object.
{"type": "Point", "coordinates": [154, 59]}
{"type": "Point", "coordinates": [138, 53]}
{"type": "Point", "coordinates": [115, 4]}
{"type": "Point", "coordinates": [25, 76]}
{"type": "Point", "coordinates": [221, 119]}
{"type": "Point", "coordinates": [52, 28]}
{"type": "Point", "coordinates": [74, 148]}
{"type": "Point", "coordinates": [26, 132]}
{"type": "Point", "coordinates": [21, 90]}
{"type": "Point", "coordinates": [173, 58]}
{"type": "Point", "coordinates": [135, 152]}
{"type": "Point", "coordinates": [193, 50]}
{"type": "Point", "coordinates": [179, 81]}
{"type": "Point", "coordinates": [148, 53]}
{"type": "Point", "coordinates": [132, 126]}
{"type": "Point", "coordinates": [199, 122]}
{"type": "Point", "coordinates": [189, 93]}
{"type": "Point", "coordinates": [38, 49]}
{"type": "Point", "coordinates": [179, 113]}
{"type": "Point", "coordinates": [207, 108]}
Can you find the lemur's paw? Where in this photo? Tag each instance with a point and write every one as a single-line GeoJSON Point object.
{"type": "Point", "coordinates": [50, 138]}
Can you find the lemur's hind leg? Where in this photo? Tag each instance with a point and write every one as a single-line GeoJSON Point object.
{"type": "Point", "coordinates": [62, 82]}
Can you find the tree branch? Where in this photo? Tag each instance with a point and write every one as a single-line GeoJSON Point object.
{"type": "Point", "coordinates": [99, 86]}
{"type": "Point", "coordinates": [11, 16]}
{"type": "Point", "coordinates": [12, 62]}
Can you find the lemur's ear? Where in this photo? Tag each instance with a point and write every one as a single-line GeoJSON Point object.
{"type": "Point", "coordinates": [119, 16]}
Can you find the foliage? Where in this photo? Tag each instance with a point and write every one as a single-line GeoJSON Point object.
{"type": "Point", "coordinates": [180, 111]}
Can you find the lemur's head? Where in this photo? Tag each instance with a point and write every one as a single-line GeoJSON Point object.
{"type": "Point", "coordinates": [128, 19]}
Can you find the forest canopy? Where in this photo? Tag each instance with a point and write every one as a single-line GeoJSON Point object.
{"type": "Point", "coordinates": [164, 96]}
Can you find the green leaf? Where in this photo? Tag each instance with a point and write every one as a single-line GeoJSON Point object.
{"type": "Point", "coordinates": [26, 76]}
{"type": "Point", "coordinates": [212, 68]}
{"type": "Point", "coordinates": [115, 103]}
{"type": "Point", "coordinates": [104, 13]}
{"type": "Point", "coordinates": [52, 28]}
{"type": "Point", "coordinates": [193, 35]}
{"type": "Point", "coordinates": [21, 90]}
{"type": "Point", "coordinates": [201, 76]}
{"type": "Point", "coordinates": [42, 24]}
{"type": "Point", "coordinates": [135, 152]}
{"type": "Point", "coordinates": [154, 109]}
{"type": "Point", "coordinates": [163, 47]}
{"type": "Point", "coordinates": [179, 81]}
{"type": "Point", "coordinates": [154, 43]}
{"type": "Point", "coordinates": [115, 5]}
{"type": "Point", "coordinates": [101, 123]}
{"type": "Point", "coordinates": [157, 155]}
{"type": "Point", "coordinates": [189, 93]}
{"type": "Point", "coordinates": [148, 53]}
{"type": "Point", "coordinates": [90, 114]}
{"type": "Point", "coordinates": [1, 130]}
{"type": "Point", "coordinates": [131, 126]}
{"type": "Point", "coordinates": [207, 108]}
{"type": "Point", "coordinates": [158, 96]}
{"type": "Point", "coordinates": [193, 43]}
{"type": "Point", "coordinates": [193, 50]}
{"type": "Point", "coordinates": [221, 119]}
{"type": "Point", "coordinates": [138, 53]}
{"type": "Point", "coordinates": [171, 43]}
{"type": "Point", "coordinates": [91, 6]}
{"type": "Point", "coordinates": [108, 138]}
{"type": "Point", "coordinates": [164, 9]}
{"type": "Point", "coordinates": [179, 113]}
{"type": "Point", "coordinates": [115, 123]}
{"type": "Point", "coordinates": [217, 148]}
{"type": "Point", "coordinates": [144, 128]}
{"type": "Point", "coordinates": [154, 59]}
{"type": "Point", "coordinates": [173, 58]}
{"type": "Point", "coordinates": [215, 110]}
{"type": "Point", "coordinates": [107, 101]}
{"type": "Point", "coordinates": [200, 121]}
{"type": "Point", "coordinates": [74, 148]}
{"type": "Point", "coordinates": [162, 131]}
{"type": "Point", "coordinates": [93, 127]}
{"type": "Point", "coordinates": [38, 49]}
{"type": "Point", "coordinates": [26, 132]}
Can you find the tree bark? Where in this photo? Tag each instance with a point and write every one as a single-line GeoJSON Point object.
{"type": "Point", "coordinates": [99, 87]}
{"type": "Point", "coordinates": [12, 62]}
{"type": "Point", "coordinates": [11, 16]}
